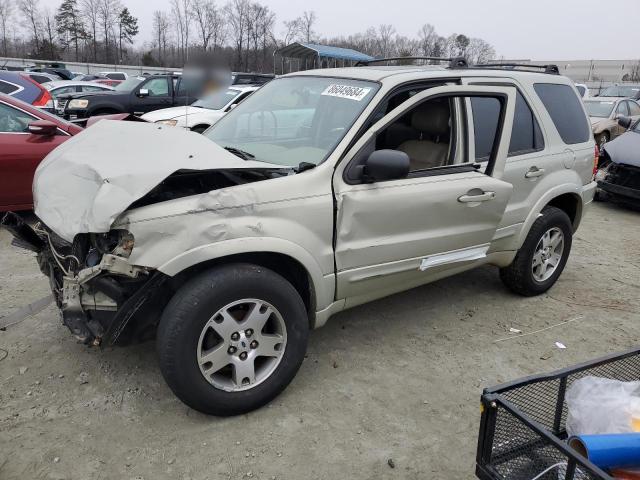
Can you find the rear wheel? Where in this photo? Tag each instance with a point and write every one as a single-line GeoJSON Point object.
{"type": "Point", "coordinates": [232, 339]}
{"type": "Point", "coordinates": [543, 255]}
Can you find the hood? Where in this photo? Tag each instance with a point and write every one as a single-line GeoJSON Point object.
{"type": "Point", "coordinates": [87, 182]}
{"type": "Point", "coordinates": [88, 94]}
{"type": "Point", "coordinates": [169, 113]}
{"type": "Point", "coordinates": [625, 149]}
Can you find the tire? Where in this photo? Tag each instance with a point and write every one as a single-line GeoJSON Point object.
{"type": "Point", "coordinates": [602, 138]}
{"type": "Point", "coordinates": [182, 336]}
{"type": "Point", "coordinates": [525, 278]}
{"type": "Point", "coordinates": [200, 128]}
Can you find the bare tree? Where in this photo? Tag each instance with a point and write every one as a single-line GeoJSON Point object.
{"type": "Point", "coordinates": [108, 11]}
{"type": "Point", "coordinates": [307, 21]}
{"type": "Point", "coordinates": [291, 31]}
{"type": "Point", "coordinates": [237, 12]}
{"type": "Point", "coordinates": [479, 51]}
{"type": "Point", "coordinates": [181, 11]}
{"type": "Point", "coordinates": [160, 34]}
{"type": "Point", "coordinates": [6, 14]}
{"type": "Point", "coordinates": [31, 18]}
{"type": "Point", "coordinates": [427, 37]}
{"type": "Point", "coordinates": [385, 39]}
{"type": "Point", "coordinates": [50, 30]}
{"type": "Point", "coordinates": [203, 13]}
{"type": "Point", "coordinates": [91, 13]}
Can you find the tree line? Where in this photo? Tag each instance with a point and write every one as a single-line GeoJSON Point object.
{"type": "Point", "coordinates": [242, 33]}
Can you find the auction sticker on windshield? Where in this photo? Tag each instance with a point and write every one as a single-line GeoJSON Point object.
{"type": "Point", "coordinates": [346, 91]}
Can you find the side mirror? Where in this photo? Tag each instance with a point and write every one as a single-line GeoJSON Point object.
{"type": "Point", "coordinates": [386, 165]}
{"type": "Point", "coordinates": [43, 127]}
{"type": "Point", "coordinates": [624, 122]}
{"type": "Point", "coordinates": [143, 92]}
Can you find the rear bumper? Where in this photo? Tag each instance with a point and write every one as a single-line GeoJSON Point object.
{"type": "Point", "coordinates": [627, 193]}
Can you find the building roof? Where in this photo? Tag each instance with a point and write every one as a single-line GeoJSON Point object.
{"type": "Point", "coordinates": [302, 50]}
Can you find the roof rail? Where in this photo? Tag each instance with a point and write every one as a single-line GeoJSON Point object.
{"type": "Point", "coordinates": [551, 69]}
{"type": "Point", "coordinates": [454, 62]}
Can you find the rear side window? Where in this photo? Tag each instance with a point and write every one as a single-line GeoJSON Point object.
{"type": "Point", "coordinates": [565, 110]}
{"type": "Point", "coordinates": [116, 76]}
{"type": "Point", "coordinates": [526, 136]}
{"type": "Point", "coordinates": [8, 88]}
{"type": "Point", "coordinates": [634, 108]}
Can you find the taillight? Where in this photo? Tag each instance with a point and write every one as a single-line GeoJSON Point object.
{"type": "Point", "coordinates": [44, 96]}
{"type": "Point", "coordinates": [596, 158]}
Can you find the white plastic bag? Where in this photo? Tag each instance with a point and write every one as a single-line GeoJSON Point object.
{"type": "Point", "coordinates": [601, 405]}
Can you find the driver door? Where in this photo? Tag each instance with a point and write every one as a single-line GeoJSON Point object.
{"type": "Point", "coordinates": [153, 94]}
{"type": "Point", "coordinates": [441, 218]}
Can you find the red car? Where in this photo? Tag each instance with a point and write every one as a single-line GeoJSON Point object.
{"type": "Point", "coordinates": [27, 135]}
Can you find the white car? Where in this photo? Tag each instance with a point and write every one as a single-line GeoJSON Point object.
{"type": "Point", "coordinates": [114, 75]}
{"type": "Point", "coordinates": [203, 113]}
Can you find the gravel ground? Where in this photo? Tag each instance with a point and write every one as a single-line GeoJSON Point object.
{"type": "Point", "coordinates": [397, 379]}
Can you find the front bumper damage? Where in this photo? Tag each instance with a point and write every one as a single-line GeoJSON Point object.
{"type": "Point", "coordinates": [102, 298]}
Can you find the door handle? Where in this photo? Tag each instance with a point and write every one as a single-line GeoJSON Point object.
{"type": "Point", "coordinates": [534, 172]}
{"type": "Point", "coordinates": [480, 197]}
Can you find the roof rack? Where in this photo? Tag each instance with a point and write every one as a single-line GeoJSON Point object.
{"type": "Point", "coordinates": [550, 68]}
{"type": "Point", "coordinates": [454, 62]}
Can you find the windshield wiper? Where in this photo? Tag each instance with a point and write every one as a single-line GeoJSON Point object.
{"type": "Point", "coordinates": [240, 153]}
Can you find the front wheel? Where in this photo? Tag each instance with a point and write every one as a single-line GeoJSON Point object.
{"type": "Point", "coordinates": [543, 255]}
{"type": "Point", "coordinates": [232, 338]}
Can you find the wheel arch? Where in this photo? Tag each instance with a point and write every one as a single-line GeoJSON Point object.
{"type": "Point", "coordinates": [567, 198]}
{"type": "Point", "coordinates": [283, 257]}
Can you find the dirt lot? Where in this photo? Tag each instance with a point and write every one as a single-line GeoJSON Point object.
{"type": "Point", "coordinates": [399, 378]}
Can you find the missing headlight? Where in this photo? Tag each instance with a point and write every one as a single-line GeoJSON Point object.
{"type": "Point", "coordinates": [116, 242]}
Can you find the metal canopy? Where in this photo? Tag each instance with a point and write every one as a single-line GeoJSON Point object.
{"type": "Point", "coordinates": [306, 50]}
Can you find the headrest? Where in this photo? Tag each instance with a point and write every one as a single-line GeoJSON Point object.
{"type": "Point", "coordinates": [431, 118]}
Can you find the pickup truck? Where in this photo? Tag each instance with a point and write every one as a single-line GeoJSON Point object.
{"type": "Point", "coordinates": [136, 96]}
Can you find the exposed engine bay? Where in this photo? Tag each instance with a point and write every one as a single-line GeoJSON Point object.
{"type": "Point", "coordinates": [104, 299]}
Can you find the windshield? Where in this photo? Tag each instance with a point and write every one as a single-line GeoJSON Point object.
{"type": "Point", "coordinates": [599, 109]}
{"type": "Point", "coordinates": [621, 91]}
{"type": "Point", "coordinates": [128, 85]}
{"type": "Point", "coordinates": [294, 119]}
{"type": "Point", "coordinates": [217, 100]}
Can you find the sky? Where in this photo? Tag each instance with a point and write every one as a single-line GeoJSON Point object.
{"type": "Point", "coordinates": [518, 29]}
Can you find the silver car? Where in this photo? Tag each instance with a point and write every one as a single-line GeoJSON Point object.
{"type": "Point", "coordinates": [323, 190]}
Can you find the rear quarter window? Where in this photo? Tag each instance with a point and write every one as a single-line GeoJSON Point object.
{"type": "Point", "coordinates": [565, 110]}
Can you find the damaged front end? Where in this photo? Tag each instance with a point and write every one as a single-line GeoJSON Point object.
{"type": "Point", "coordinates": [97, 291]}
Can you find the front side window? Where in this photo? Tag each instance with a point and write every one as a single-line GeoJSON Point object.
{"type": "Point", "coordinates": [13, 120]}
{"type": "Point", "coordinates": [128, 84]}
{"type": "Point", "coordinates": [565, 109]}
{"type": "Point", "coordinates": [634, 109]}
{"type": "Point", "coordinates": [294, 119]}
{"type": "Point", "coordinates": [158, 87]}
{"type": "Point", "coordinates": [623, 109]}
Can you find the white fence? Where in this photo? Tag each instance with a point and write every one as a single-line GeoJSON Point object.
{"type": "Point", "coordinates": [86, 67]}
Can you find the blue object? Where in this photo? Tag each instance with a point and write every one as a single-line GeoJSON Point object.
{"type": "Point", "coordinates": [20, 86]}
{"type": "Point", "coordinates": [609, 451]}
{"type": "Point", "coordinates": [302, 50]}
